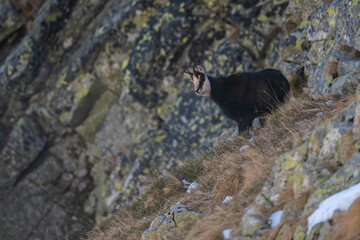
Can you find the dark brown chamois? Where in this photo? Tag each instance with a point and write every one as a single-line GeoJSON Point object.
{"type": "Point", "coordinates": [242, 96]}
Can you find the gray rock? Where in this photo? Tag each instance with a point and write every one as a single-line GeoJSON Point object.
{"type": "Point", "coordinates": [300, 232]}
{"type": "Point", "coordinates": [179, 216]}
{"type": "Point", "coordinates": [345, 177]}
{"type": "Point", "coordinates": [23, 146]}
{"type": "Point", "coordinates": [156, 223]}
{"type": "Point", "coordinates": [253, 225]}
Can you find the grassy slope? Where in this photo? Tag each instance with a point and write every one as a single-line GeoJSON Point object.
{"type": "Point", "coordinates": [222, 171]}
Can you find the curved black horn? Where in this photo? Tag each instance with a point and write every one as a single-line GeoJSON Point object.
{"type": "Point", "coordinates": [187, 71]}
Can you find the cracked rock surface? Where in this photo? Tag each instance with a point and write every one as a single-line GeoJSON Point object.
{"type": "Point", "coordinates": [93, 99]}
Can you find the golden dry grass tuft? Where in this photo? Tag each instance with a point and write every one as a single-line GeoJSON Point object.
{"type": "Point", "coordinates": [223, 171]}
{"type": "Point", "coordinates": [347, 227]}
{"type": "Point", "coordinates": [161, 188]}
{"type": "Point", "coordinates": [121, 225]}
{"type": "Point", "coordinates": [129, 222]}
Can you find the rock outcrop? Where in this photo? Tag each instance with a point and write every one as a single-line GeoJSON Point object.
{"type": "Point", "coordinates": [178, 217]}
{"type": "Point", "coordinates": [320, 165]}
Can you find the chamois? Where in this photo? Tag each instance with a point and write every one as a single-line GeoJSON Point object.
{"type": "Point", "coordinates": [242, 96]}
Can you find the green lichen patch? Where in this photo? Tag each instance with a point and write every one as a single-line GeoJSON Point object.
{"type": "Point", "coordinates": [83, 92]}
{"type": "Point", "coordinates": [96, 116]}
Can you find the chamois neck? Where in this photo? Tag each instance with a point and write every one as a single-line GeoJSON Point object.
{"type": "Point", "coordinates": [216, 84]}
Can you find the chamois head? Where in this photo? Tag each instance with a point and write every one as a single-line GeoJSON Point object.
{"type": "Point", "coordinates": [199, 79]}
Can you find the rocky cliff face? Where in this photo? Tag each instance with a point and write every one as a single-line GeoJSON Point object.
{"type": "Point", "coordinates": [92, 98]}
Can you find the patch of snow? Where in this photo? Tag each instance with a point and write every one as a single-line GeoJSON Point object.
{"type": "Point", "coordinates": [339, 201]}
{"type": "Point", "coordinates": [319, 114]}
{"type": "Point", "coordinates": [242, 148]}
{"type": "Point", "coordinates": [329, 102]}
{"type": "Point", "coordinates": [186, 183]}
{"type": "Point", "coordinates": [251, 139]}
{"type": "Point", "coordinates": [227, 233]}
{"type": "Point", "coordinates": [227, 199]}
{"type": "Point", "coordinates": [189, 185]}
{"type": "Point", "coordinates": [275, 218]}
{"type": "Point", "coordinates": [192, 186]}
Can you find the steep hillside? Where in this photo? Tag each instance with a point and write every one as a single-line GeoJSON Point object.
{"type": "Point", "coordinates": [298, 178]}
{"type": "Point", "coordinates": [307, 151]}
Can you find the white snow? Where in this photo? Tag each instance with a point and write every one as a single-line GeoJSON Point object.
{"type": "Point", "coordinates": [227, 233]}
{"type": "Point", "coordinates": [227, 199]}
{"type": "Point", "coordinates": [251, 139]}
{"type": "Point", "coordinates": [275, 218]}
{"type": "Point", "coordinates": [186, 183]}
{"type": "Point", "coordinates": [339, 201]}
{"type": "Point", "coordinates": [189, 185]}
{"type": "Point", "coordinates": [329, 102]}
{"type": "Point", "coordinates": [242, 148]}
{"type": "Point", "coordinates": [319, 114]}
{"type": "Point", "coordinates": [192, 186]}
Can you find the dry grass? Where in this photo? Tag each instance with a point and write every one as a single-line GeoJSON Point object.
{"type": "Point", "coordinates": [347, 224]}
{"type": "Point", "coordinates": [220, 172]}
{"type": "Point", "coordinates": [161, 188]}
{"type": "Point", "coordinates": [348, 146]}
{"type": "Point", "coordinates": [120, 226]}
{"type": "Point", "coordinates": [129, 223]}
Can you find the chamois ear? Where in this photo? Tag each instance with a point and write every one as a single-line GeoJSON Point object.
{"type": "Point", "coordinates": [200, 68]}
{"type": "Point", "coordinates": [187, 73]}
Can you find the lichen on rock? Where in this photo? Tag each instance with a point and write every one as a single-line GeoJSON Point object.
{"type": "Point", "coordinates": [178, 217]}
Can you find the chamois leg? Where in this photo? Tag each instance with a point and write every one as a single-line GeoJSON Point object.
{"type": "Point", "coordinates": [241, 128]}
{"type": "Point", "coordinates": [245, 123]}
